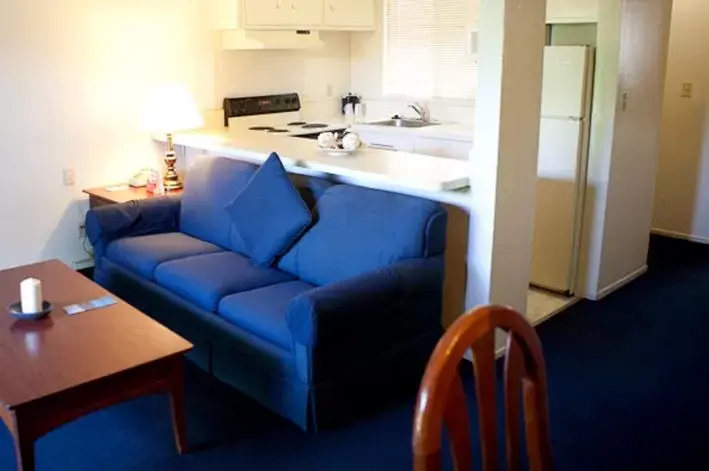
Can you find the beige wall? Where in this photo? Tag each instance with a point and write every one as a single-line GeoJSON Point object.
{"type": "Point", "coordinates": [682, 197]}
{"type": "Point", "coordinates": [75, 74]}
{"type": "Point", "coordinates": [643, 55]}
{"type": "Point", "coordinates": [624, 145]}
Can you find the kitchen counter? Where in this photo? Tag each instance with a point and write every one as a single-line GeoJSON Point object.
{"type": "Point", "coordinates": [425, 176]}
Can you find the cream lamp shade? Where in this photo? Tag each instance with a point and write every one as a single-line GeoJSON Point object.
{"type": "Point", "coordinates": [170, 109]}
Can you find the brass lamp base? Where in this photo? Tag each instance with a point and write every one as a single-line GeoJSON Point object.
{"type": "Point", "coordinates": [171, 181]}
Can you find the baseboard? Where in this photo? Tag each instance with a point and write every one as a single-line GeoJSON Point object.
{"type": "Point", "coordinates": [620, 283]}
{"type": "Point", "coordinates": [681, 235]}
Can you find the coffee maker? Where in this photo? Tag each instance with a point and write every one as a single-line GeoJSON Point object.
{"type": "Point", "coordinates": [350, 99]}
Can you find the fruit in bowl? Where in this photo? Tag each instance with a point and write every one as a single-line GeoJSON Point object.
{"type": "Point", "coordinates": [351, 142]}
{"type": "Point", "coordinates": [339, 141]}
{"type": "Point", "coordinates": [327, 140]}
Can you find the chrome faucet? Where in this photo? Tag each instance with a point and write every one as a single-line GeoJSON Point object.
{"type": "Point", "coordinates": [421, 110]}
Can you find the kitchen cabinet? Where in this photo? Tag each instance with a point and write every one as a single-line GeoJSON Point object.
{"type": "Point", "coordinates": [354, 15]}
{"type": "Point", "coordinates": [387, 141]}
{"type": "Point", "coordinates": [306, 12]}
{"type": "Point", "coordinates": [267, 12]}
{"type": "Point", "coordinates": [291, 15]}
{"type": "Point", "coordinates": [437, 147]}
{"type": "Point", "coordinates": [572, 11]}
{"type": "Point", "coordinates": [283, 13]}
{"type": "Point", "coordinates": [458, 150]}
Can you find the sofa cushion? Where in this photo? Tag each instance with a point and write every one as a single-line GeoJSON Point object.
{"type": "Point", "coordinates": [269, 214]}
{"type": "Point", "coordinates": [206, 279]}
{"type": "Point", "coordinates": [263, 311]}
{"type": "Point", "coordinates": [211, 183]}
{"type": "Point", "coordinates": [143, 254]}
{"type": "Point", "coordinates": [359, 230]}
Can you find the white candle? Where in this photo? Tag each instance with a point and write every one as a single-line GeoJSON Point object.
{"type": "Point", "coordinates": [31, 295]}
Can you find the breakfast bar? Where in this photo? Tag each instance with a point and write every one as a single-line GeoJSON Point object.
{"type": "Point", "coordinates": [424, 176]}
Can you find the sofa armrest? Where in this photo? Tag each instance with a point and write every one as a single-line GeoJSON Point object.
{"type": "Point", "coordinates": [134, 218]}
{"type": "Point", "coordinates": [407, 290]}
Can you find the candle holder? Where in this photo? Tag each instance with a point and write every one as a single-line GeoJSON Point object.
{"type": "Point", "coordinates": [15, 310]}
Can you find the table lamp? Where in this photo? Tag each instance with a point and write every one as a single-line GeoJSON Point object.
{"type": "Point", "coordinates": [171, 109]}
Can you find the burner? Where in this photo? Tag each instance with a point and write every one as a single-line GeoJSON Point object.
{"type": "Point", "coordinates": [314, 126]}
{"type": "Point", "coordinates": [296, 123]}
{"type": "Point", "coordinates": [276, 131]}
{"type": "Point", "coordinates": [261, 128]}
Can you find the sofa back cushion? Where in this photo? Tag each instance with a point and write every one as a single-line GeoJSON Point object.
{"type": "Point", "coordinates": [359, 230]}
{"type": "Point", "coordinates": [211, 184]}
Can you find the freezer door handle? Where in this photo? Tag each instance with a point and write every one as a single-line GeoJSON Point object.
{"type": "Point", "coordinates": [565, 118]}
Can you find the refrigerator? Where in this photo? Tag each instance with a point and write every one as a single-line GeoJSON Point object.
{"type": "Point", "coordinates": [567, 94]}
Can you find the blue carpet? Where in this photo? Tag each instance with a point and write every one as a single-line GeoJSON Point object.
{"type": "Point", "coordinates": [628, 386]}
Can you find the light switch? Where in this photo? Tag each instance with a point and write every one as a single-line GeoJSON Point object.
{"type": "Point", "coordinates": [69, 179]}
{"type": "Point", "coordinates": [687, 90]}
{"type": "Point", "coordinates": [624, 100]}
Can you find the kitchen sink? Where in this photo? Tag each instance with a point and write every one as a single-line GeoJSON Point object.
{"type": "Point", "coordinates": [403, 123]}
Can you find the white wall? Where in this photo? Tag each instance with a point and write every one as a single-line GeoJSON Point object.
{"type": "Point", "coordinates": [75, 74]}
{"type": "Point", "coordinates": [320, 76]}
{"type": "Point", "coordinates": [73, 83]}
{"type": "Point", "coordinates": [682, 196]}
{"type": "Point", "coordinates": [367, 78]}
{"type": "Point", "coordinates": [624, 144]}
{"type": "Point", "coordinates": [503, 170]}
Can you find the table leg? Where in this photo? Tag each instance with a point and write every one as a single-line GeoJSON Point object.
{"type": "Point", "coordinates": [24, 447]}
{"type": "Point", "coordinates": [177, 405]}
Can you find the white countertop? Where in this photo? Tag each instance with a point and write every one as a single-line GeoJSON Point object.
{"type": "Point", "coordinates": [448, 131]}
{"type": "Point", "coordinates": [436, 178]}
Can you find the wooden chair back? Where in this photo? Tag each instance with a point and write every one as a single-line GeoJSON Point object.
{"type": "Point", "coordinates": [442, 400]}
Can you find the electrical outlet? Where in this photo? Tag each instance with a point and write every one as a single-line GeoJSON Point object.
{"type": "Point", "coordinates": [687, 90]}
{"type": "Point", "coordinates": [69, 177]}
{"type": "Point", "coordinates": [329, 90]}
{"type": "Point", "coordinates": [82, 231]}
{"type": "Point", "coordinates": [624, 100]}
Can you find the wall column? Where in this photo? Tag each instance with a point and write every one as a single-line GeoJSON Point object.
{"type": "Point", "coordinates": [504, 157]}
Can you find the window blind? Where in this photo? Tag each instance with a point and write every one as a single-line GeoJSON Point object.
{"type": "Point", "coordinates": [426, 51]}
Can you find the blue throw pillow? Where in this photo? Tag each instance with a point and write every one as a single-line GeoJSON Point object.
{"type": "Point", "coordinates": [269, 214]}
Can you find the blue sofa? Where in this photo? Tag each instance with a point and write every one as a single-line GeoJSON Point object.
{"type": "Point", "coordinates": [345, 319]}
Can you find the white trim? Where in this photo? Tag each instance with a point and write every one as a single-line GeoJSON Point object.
{"type": "Point", "coordinates": [83, 264]}
{"type": "Point", "coordinates": [681, 235]}
{"type": "Point", "coordinates": [619, 284]}
{"type": "Point", "coordinates": [570, 302]}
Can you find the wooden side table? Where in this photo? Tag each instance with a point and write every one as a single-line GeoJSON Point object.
{"type": "Point", "coordinates": [101, 196]}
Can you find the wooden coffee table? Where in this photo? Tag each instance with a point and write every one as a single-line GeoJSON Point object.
{"type": "Point", "coordinates": [58, 369]}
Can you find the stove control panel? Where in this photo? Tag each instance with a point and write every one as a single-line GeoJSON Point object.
{"type": "Point", "coordinates": [260, 105]}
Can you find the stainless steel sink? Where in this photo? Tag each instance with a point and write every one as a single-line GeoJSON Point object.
{"type": "Point", "coordinates": [403, 123]}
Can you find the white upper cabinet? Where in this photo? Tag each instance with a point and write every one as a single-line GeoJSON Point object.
{"type": "Point", "coordinates": [336, 15]}
{"type": "Point", "coordinates": [572, 11]}
{"type": "Point", "coordinates": [350, 14]}
{"type": "Point", "coordinates": [306, 12]}
{"type": "Point", "coordinates": [287, 13]}
{"type": "Point", "coordinates": [267, 12]}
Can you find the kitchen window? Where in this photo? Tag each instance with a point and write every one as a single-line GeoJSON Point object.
{"type": "Point", "coordinates": [427, 50]}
